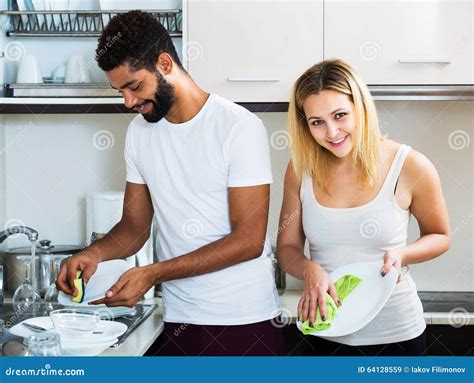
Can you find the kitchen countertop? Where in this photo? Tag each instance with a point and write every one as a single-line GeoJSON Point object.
{"type": "Point", "coordinates": [440, 308]}
{"type": "Point", "coordinates": [140, 340]}
{"type": "Point", "coordinates": [437, 307]}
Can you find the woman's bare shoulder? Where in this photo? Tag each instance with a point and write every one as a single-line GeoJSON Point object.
{"type": "Point", "coordinates": [418, 170]}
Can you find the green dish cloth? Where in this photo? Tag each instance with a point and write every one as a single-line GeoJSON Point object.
{"type": "Point", "coordinates": [344, 286]}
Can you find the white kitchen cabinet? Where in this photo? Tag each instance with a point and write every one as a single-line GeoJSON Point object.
{"type": "Point", "coordinates": [402, 42]}
{"type": "Point", "coordinates": [252, 51]}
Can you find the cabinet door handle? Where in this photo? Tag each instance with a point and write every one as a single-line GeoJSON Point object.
{"type": "Point", "coordinates": [443, 60]}
{"type": "Point", "coordinates": [252, 79]}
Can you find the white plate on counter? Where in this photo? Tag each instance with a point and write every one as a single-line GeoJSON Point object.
{"type": "Point", "coordinates": [109, 331]}
{"type": "Point", "coordinates": [105, 312]}
{"type": "Point", "coordinates": [76, 349]}
{"type": "Point", "coordinates": [364, 303]}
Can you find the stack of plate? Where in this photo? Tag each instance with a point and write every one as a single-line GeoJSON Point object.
{"type": "Point", "coordinates": [105, 312]}
{"type": "Point", "coordinates": [104, 336]}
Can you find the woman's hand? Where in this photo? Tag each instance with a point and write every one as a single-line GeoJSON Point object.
{"type": "Point", "coordinates": [392, 258]}
{"type": "Point", "coordinates": [316, 284]}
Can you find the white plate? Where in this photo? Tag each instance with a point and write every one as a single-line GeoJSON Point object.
{"type": "Point", "coordinates": [105, 312]}
{"type": "Point", "coordinates": [87, 349]}
{"type": "Point", "coordinates": [110, 330]}
{"type": "Point", "coordinates": [102, 280]}
{"type": "Point", "coordinates": [364, 302]}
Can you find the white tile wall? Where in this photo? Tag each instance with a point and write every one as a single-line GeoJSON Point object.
{"type": "Point", "coordinates": [48, 165]}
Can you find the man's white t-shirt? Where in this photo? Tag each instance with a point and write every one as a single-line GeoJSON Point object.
{"type": "Point", "coordinates": [188, 168]}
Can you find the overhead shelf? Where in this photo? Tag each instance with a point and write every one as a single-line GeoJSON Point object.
{"type": "Point", "coordinates": [79, 23]}
{"type": "Point", "coordinates": [61, 91]}
{"type": "Point", "coordinates": [69, 105]}
{"type": "Point", "coordinates": [422, 92]}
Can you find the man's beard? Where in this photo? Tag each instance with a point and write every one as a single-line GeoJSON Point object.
{"type": "Point", "coordinates": [162, 101]}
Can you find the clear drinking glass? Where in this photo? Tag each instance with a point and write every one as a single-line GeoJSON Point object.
{"type": "Point", "coordinates": [51, 296]}
{"type": "Point", "coordinates": [44, 344]}
{"type": "Point", "coordinates": [26, 299]}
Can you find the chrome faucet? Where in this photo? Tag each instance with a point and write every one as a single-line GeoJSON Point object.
{"type": "Point", "coordinates": [4, 234]}
{"type": "Point", "coordinates": [28, 231]}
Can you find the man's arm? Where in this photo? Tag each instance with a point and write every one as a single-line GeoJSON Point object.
{"type": "Point", "coordinates": [129, 235]}
{"type": "Point", "coordinates": [125, 239]}
{"type": "Point", "coordinates": [248, 211]}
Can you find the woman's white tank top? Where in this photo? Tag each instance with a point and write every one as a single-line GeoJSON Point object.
{"type": "Point", "coordinates": [339, 236]}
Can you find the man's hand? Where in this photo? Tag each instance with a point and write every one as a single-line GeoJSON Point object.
{"type": "Point", "coordinates": [86, 261]}
{"type": "Point", "coordinates": [130, 287]}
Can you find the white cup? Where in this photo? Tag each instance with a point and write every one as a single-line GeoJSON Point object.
{"type": "Point", "coordinates": [77, 70]}
{"type": "Point", "coordinates": [29, 71]}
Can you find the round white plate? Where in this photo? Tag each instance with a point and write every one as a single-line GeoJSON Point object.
{"type": "Point", "coordinates": [364, 302]}
{"type": "Point", "coordinates": [105, 312]}
{"type": "Point", "coordinates": [106, 275]}
{"type": "Point", "coordinates": [109, 331]}
{"type": "Point", "coordinates": [74, 349]}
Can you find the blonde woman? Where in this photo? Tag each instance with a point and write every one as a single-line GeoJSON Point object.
{"type": "Point", "coordinates": [343, 180]}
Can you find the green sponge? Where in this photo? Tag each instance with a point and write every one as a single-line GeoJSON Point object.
{"type": "Point", "coordinates": [344, 286]}
{"type": "Point", "coordinates": [79, 285]}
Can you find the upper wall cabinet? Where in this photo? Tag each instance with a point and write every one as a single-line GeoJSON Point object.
{"type": "Point", "coordinates": [252, 51]}
{"type": "Point", "coordinates": [402, 42]}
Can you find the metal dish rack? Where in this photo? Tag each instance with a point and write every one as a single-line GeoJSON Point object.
{"type": "Point", "coordinates": [79, 23]}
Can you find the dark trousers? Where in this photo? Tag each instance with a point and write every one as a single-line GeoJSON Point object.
{"type": "Point", "coordinates": [322, 347]}
{"type": "Point", "coordinates": [257, 339]}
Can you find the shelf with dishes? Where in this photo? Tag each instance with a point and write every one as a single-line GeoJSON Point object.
{"type": "Point", "coordinates": [60, 90]}
{"type": "Point", "coordinates": [79, 23]}
{"type": "Point", "coordinates": [101, 98]}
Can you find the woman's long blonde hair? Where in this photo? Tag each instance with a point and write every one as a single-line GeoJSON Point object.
{"type": "Point", "coordinates": [308, 157]}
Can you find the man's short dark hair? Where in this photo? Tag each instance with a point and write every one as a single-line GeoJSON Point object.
{"type": "Point", "coordinates": [136, 38]}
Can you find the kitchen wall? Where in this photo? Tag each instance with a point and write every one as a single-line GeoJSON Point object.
{"type": "Point", "coordinates": [48, 163]}
{"type": "Point", "coordinates": [440, 130]}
